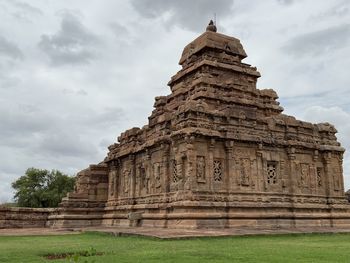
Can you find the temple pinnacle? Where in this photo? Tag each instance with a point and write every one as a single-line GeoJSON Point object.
{"type": "Point", "coordinates": [211, 26]}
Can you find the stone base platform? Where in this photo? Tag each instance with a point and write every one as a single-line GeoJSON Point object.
{"type": "Point", "coordinates": [166, 233]}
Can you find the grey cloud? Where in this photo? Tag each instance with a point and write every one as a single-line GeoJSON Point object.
{"type": "Point", "coordinates": [80, 92]}
{"type": "Point", "coordinates": [5, 190]}
{"type": "Point", "coordinates": [107, 118]}
{"type": "Point", "coordinates": [20, 121]}
{"type": "Point", "coordinates": [193, 15]}
{"type": "Point", "coordinates": [72, 44]}
{"type": "Point", "coordinates": [285, 2]}
{"type": "Point", "coordinates": [9, 49]}
{"type": "Point", "coordinates": [32, 127]}
{"type": "Point", "coordinates": [326, 40]}
{"type": "Point", "coordinates": [65, 143]}
{"type": "Point", "coordinates": [119, 30]}
{"type": "Point", "coordinates": [25, 7]}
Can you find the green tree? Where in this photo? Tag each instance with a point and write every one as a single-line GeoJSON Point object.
{"type": "Point", "coordinates": [42, 188]}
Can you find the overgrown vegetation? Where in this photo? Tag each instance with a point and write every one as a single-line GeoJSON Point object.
{"type": "Point", "coordinates": [320, 248]}
{"type": "Point", "coordinates": [74, 256]}
{"type": "Point", "coordinates": [42, 188]}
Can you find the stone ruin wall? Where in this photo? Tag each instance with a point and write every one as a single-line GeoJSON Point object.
{"type": "Point", "coordinates": [20, 217]}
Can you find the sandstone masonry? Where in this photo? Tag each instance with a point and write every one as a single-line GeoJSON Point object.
{"type": "Point", "coordinates": [216, 152]}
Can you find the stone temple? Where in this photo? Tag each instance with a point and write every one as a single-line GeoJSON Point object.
{"type": "Point", "coordinates": [216, 152]}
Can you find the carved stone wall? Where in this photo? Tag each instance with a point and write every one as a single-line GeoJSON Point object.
{"type": "Point", "coordinates": [218, 152]}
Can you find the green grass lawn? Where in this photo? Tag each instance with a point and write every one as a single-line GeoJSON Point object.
{"type": "Point", "coordinates": [277, 248]}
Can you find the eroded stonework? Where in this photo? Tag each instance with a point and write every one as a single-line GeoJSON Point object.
{"type": "Point", "coordinates": [216, 152]}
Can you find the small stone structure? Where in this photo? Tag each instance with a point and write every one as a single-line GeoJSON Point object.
{"type": "Point", "coordinates": [21, 217]}
{"type": "Point", "coordinates": [216, 153]}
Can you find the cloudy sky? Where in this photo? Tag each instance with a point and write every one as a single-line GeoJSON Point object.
{"type": "Point", "coordinates": [74, 74]}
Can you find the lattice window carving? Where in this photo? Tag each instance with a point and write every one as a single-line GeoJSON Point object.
{"type": "Point", "coordinates": [271, 173]}
{"type": "Point", "coordinates": [176, 177]}
{"type": "Point", "coordinates": [319, 176]}
{"type": "Point", "coordinates": [218, 172]}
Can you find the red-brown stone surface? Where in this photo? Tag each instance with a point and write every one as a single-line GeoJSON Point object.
{"type": "Point", "coordinates": [216, 152]}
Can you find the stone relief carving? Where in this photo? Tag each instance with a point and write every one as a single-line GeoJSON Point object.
{"type": "Point", "coordinates": [336, 178]}
{"type": "Point", "coordinates": [304, 174]}
{"type": "Point", "coordinates": [245, 171]}
{"type": "Point", "coordinates": [217, 170]}
{"type": "Point", "coordinates": [201, 169]}
{"type": "Point", "coordinates": [157, 174]}
{"type": "Point", "coordinates": [142, 176]}
{"type": "Point", "coordinates": [126, 177]}
{"type": "Point", "coordinates": [112, 176]}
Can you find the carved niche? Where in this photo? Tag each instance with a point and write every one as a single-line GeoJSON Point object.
{"type": "Point", "coordinates": [126, 177]}
{"type": "Point", "coordinates": [304, 175]}
{"type": "Point", "coordinates": [200, 169]}
{"type": "Point", "coordinates": [157, 174]}
{"type": "Point", "coordinates": [144, 179]}
{"type": "Point", "coordinates": [244, 166]}
{"type": "Point", "coordinates": [112, 181]}
{"type": "Point", "coordinates": [245, 171]}
{"type": "Point", "coordinates": [336, 177]}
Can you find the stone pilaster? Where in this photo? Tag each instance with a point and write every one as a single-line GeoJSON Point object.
{"type": "Point", "coordinates": [148, 172]}
{"type": "Point", "coordinates": [229, 179]}
{"type": "Point", "coordinates": [260, 168]}
{"type": "Point", "coordinates": [327, 157]}
{"type": "Point", "coordinates": [210, 168]}
{"type": "Point", "coordinates": [191, 159]}
{"type": "Point", "coordinates": [293, 176]}
{"type": "Point", "coordinates": [166, 168]}
{"type": "Point", "coordinates": [132, 176]}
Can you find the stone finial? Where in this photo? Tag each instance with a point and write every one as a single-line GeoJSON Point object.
{"type": "Point", "coordinates": [211, 26]}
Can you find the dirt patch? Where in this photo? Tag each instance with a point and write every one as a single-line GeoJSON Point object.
{"type": "Point", "coordinates": [73, 255]}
